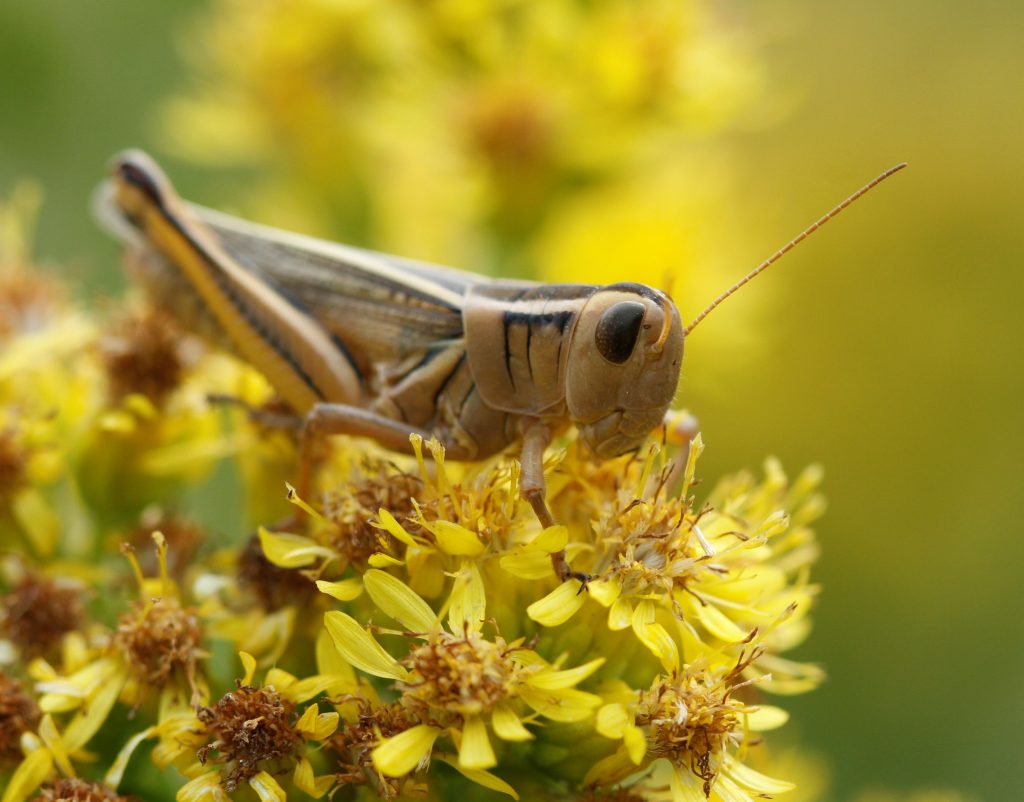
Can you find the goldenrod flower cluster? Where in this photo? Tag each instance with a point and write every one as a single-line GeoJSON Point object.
{"type": "Point", "coordinates": [399, 633]}
{"type": "Point", "coordinates": [576, 138]}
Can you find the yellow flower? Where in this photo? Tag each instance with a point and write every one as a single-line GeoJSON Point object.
{"type": "Point", "coordinates": [519, 110]}
{"type": "Point", "coordinates": [696, 722]}
{"type": "Point", "coordinates": [688, 577]}
{"type": "Point", "coordinates": [255, 733]}
{"type": "Point", "coordinates": [456, 682]}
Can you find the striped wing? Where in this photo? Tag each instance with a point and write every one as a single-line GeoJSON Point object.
{"type": "Point", "coordinates": [383, 308]}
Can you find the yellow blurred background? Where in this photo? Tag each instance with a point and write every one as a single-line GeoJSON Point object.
{"type": "Point", "coordinates": [886, 348]}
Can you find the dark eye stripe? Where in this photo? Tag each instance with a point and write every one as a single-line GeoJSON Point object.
{"type": "Point", "coordinates": [618, 330]}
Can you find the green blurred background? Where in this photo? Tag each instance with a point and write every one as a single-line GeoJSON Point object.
{"type": "Point", "coordinates": [887, 348]}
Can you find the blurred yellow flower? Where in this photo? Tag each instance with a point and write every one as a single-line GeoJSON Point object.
{"type": "Point", "coordinates": [468, 133]}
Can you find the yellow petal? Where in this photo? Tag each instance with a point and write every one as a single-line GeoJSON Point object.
{"type": "Point", "coordinates": [249, 664]}
{"type": "Point", "coordinates": [558, 606]}
{"type": "Point", "coordinates": [381, 560]}
{"type": "Point", "coordinates": [286, 550]}
{"type": "Point", "coordinates": [399, 601]}
{"type": "Point", "coordinates": [267, 788]}
{"type": "Point", "coordinates": [612, 720]}
{"type": "Point", "coordinates": [728, 791]}
{"type": "Point", "coordinates": [605, 591]}
{"type": "Point", "coordinates": [345, 590]}
{"type": "Point", "coordinates": [484, 778]}
{"type": "Point", "coordinates": [468, 603]}
{"type": "Point", "coordinates": [696, 448]}
{"type": "Point", "coordinates": [395, 529]}
{"type": "Point", "coordinates": [307, 782]}
{"type": "Point", "coordinates": [117, 768]}
{"type": "Point", "coordinates": [620, 616]}
{"type": "Point", "coordinates": [204, 788]}
{"type": "Point", "coordinates": [400, 754]}
{"type": "Point", "coordinates": [636, 743]}
{"type": "Point", "coordinates": [306, 688]}
{"type": "Point", "coordinates": [29, 775]}
{"type": "Point", "coordinates": [475, 751]}
{"type": "Point", "coordinates": [551, 539]}
{"type": "Point", "coordinates": [87, 721]}
{"type": "Point", "coordinates": [564, 705]}
{"type": "Point", "coordinates": [51, 737]}
{"type": "Point", "coordinates": [332, 664]}
{"type": "Point", "coordinates": [316, 725]}
{"type": "Point", "coordinates": [527, 564]}
{"type": "Point", "coordinates": [360, 648]}
{"type": "Point", "coordinates": [452, 538]}
{"type": "Point", "coordinates": [718, 623]}
{"type": "Point", "coordinates": [40, 523]}
{"type": "Point", "coordinates": [425, 569]}
{"type": "Point", "coordinates": [755, 780]}
{"type": "Point", "coordinates": [307, 719]}
{"type": "Point", "coordinates": [507, 724]}
{"type": "Point", "coordinates": [766, 717]}
{"type": "Point", "coordinates": [552, 680]}
{"type": "Point", "coordinates": [611, 769]}
{"type": "Point", "coordinates": [685, 787]}
{"type": "Point", "coordinates": [655, 637]}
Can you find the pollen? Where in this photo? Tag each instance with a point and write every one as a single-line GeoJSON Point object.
{"type": "Point", "coordinates": [274, 587]}
{"type": "Point", "coordinates": [160, 638]}
{"type": "Point", "coordinates": [252, 730]}
{"type": "Point", "coordinates": [467, 674]}
{"type": "Point", "coordinates": [38, 613]}
{"type": "Point", "coordinates": [145, 353]}
{"type": "Point", "coordinates": [75, 790]}
{"type": "Point", "coordinates": [351, 510]}
{"type": "Point", "coordinates": [18, 714]}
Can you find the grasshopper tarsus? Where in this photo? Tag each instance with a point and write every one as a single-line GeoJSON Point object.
{"type": "Point", "coordinates": [263, 416]}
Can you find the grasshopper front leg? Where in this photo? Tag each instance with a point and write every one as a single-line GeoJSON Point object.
{"type": "Point", "coordinates": [536, 439]}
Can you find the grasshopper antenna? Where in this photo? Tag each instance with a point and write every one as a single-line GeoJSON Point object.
{"type": "Point", "coordinates": [792, 244]}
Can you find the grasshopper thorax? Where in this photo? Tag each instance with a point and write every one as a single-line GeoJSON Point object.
{"type": "Point", "coordinates": [623, 366]}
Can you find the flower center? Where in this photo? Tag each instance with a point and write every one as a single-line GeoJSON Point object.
{"type": "Point", "coordinates": [249, 726]}
{"type": "Point", "coordinates": [466, 674]}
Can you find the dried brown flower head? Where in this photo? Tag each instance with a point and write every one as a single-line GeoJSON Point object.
{"type": "Point", "coordinates": [462, 674]}
{"type": "Point", "coordinates": [18, 714]}
{"type": "Point", "coordinates": [145, 353]}
{"type": "Point", "coordinates": [352, 509]}
{"type": "Point", "coordinates": [692, 718]}
{"type": "Point", "coordinates": [38, 612]}
{"type": "Point", "coordinates": [29, 300]}
{"type": "Point", "coordinates": [353, 743]}
{"type": "Point", "coordinates": [249, 727]}
{"type": "Point", "coordinates": [273, 586]}
{"type": "Point", "coordinates": [159, 638]}
{"type": "Point", "coordinates": [75, 790]}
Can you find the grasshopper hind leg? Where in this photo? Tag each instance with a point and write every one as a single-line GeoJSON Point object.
{"type": "Point", "coordinates": [324, 420]}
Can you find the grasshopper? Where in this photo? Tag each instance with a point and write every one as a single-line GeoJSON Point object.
{"type": "Point", "coordinates": [361, 343]}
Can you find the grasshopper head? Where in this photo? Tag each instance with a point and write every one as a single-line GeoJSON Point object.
{"type": "Point", "coordinates": [623, 366]}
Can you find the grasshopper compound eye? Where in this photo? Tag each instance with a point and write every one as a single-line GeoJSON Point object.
{"type": "Point", "coordinates": [618, 330]}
